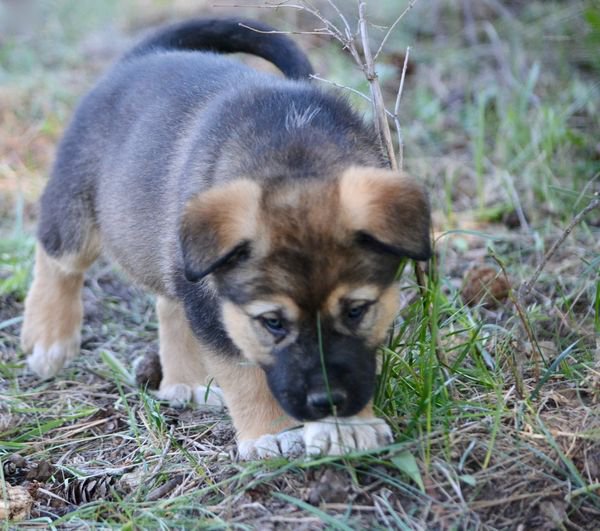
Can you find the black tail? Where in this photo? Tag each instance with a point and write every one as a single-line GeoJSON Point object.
{"type": "Point", "coordinates": [228, 35]}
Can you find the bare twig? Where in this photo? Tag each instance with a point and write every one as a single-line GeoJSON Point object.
{"type": "Point", "coordinates": [393, 27]}
{"type": "Point", "coordinates": [342, 18]}
{"type": "Point", "coordinates": [349, 34]}
{"type": "Point", "coordinates": [338, 85]}
{"type": "Point", "coordinates": [397, 111]}
{"type": "Point", "coordinates": [163, 454]}
{"type": "Point", "coordinates": [165, 488]}
{"type": "Point", "coordinates": [317, 31]}
{"type": "Point", "coordinates": [348, 38]}
{"type": "Point", "coordinates": [381, 124]}
{"type": "Point", "coordinates": [334, 31]}
{"type": "Point", "coordinates": [528, 286]}
{"type": "Point", "coordinates": [345, 87]}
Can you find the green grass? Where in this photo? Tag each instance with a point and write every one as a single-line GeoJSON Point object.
{"type": "Point", "coordinates": [495, 411]}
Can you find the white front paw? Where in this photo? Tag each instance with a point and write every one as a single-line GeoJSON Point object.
{"type": "Point", "coordinates": [336, 436]}
{"type": "Point", "coordinates": [179, 395]}
{"type": "Point", "coordinates": [285, 444]}
{"type": "Point", "coordinates": [208, 396]}
{"type": "Point", "coordinates": [46, 362]}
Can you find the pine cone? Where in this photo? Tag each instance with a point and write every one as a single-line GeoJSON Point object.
{"type": "Point", "coordinates": [78, 491]}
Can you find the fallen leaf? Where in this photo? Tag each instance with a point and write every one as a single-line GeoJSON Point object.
{"type": "Point", "coordinates": [16, 504]}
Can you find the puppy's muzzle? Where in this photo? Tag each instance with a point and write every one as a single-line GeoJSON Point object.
{"type": "Point", "coordinates": [323, 403]}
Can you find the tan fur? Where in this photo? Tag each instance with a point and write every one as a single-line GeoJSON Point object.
{"type": "Point", "coordinates": [53, 307]}
{"type": "Point", "coordinates": [253, 408]}
{"type": "Point", "coordinates": [386, 310]}
{"type": "Point", "coordinates": [367, 412]}
{"type": "Point", "coordinates": [243, 333]}
{"type": "Point", "coordinates": [368, 195]}
{"type": "Point", "coordinates": [303, 211]}
{"type": "Point", "coordinates": [343, 292]}
{"type": "Point", "coordinates": [378, 318]}
{"type": "Point", "coordinates": [275, 303]}
{"type": "Point", "coordinates": [230, 211]}
{"type": "Point", "coordinates": [181, 354]}
{"type": "Point", "coordinates": [184, 359]}
{"type": "Point", "coordinates": [81, 261]}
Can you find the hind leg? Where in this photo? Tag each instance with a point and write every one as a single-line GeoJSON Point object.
{"type": "Point", "coordinates": [53, 309]}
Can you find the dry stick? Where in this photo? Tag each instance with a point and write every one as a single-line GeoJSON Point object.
{"type": "Point", "coordinates": [393, 27]}
{"type": "Point", "coordinates": [316, 31]}
{"type": "Point", "coordinates": [381, 124]}
{"type": "Point", "coordinates": [385, 138]}
{"type": "Point", "coordinates": [528, 286]}
{"type": "Point", "coordinates": [316, 13]}
{"type": "Point", "coordinates": [341, 15]}
{"type": "Point", "coordinates": [397, 110]}
{"type": "Point", "coordinates": [345, 38]}
{"type": "Point", "coordinates": [165, 488]}
{"type": "Point", "coordinates": [338, 85]}
{"type": "Point", "coordinates": [332, 28]}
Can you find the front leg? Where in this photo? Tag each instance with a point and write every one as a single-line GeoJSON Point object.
{"type": "Point", "coordinates": [263, 429]}
{"type": "Point", "coordinates": [339, 435]}
{"type": "Point", "coordinates": [182, 359]}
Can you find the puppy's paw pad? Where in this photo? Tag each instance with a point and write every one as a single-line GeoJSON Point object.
{"type": "Point", "coordinates": [47, 362]}
{"type": "Point", "coordinates": [285, 444]}
{"type": "Point", "coordinates": [178, 395]}
{"type": "Point", "coordinates": [336, 436]}
{"type": "Point", "coordinates": [208, 396]}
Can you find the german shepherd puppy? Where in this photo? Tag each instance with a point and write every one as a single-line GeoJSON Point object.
{"type": "Point", "coordinates": [261, 212]}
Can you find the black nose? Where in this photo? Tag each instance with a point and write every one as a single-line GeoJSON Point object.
{"type": "Point", "coordinates": [324, 402]}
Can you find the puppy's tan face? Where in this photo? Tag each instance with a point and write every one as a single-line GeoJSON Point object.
{"type": "Point", "coordinates": [306, 273]}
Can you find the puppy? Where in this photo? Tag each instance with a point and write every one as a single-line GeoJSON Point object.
{"type": "Point", "coordinates": [261, 212]}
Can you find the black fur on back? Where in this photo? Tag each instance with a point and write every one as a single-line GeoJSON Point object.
{"type": "Point", "coordinates": [230, 35]}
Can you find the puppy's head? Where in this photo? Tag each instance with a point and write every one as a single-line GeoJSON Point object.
{"type": "Point", "coordinates": [306, 272]}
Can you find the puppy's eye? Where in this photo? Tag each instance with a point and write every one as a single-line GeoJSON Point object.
{"type": "Point", "coordinates": [357, 312]}
{"type": "Point", "coordinates": [274, 324]}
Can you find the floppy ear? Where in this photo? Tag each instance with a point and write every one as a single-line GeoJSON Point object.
{"type": "Point", "coordinates": [388, 212]}
{"type": "Point", "coordinates": [218, 226]}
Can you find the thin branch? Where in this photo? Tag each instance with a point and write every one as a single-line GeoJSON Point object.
{"type": "Point", "coordinates": [335, 31]}
{"type": "Point", "coordinates": [393, 26]}
{"type": "Point", "coordinates": [338, 85]}
{"type": "Point", "coordinates": [397, 111]}
{"type": "Point", "coordinates": [331, 28]}
{"type": "Point", "coordinates": [381, 124]}
{"type": "Point", "coordinates": [317, 31]}
{"type": "Point", "coordinates": [341, 15]}
{"type": "Point", "coordinates": [347, 38]}
{"type": "Point", "coordinates": [357, 92]}
{"type": "Point", "coordinates": [528, 286]}
{"type": "Point", "coordinates": [350, 37]}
